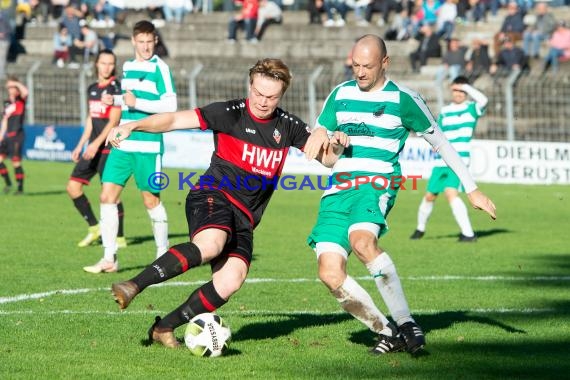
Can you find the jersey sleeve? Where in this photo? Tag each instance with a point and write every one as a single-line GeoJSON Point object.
{"type": "Point", "coordinates": [219, 116]}
{"type": "Point", "coordinates": [299, 133]}
{"type": "Point", "coordinates": [415, 113]}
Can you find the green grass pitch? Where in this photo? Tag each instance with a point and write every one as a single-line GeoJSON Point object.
{"type": "Point", "coordinates": [498, 308]}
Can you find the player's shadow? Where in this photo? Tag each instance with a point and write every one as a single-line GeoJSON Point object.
{"type": "Point", "coordinates": [481, 234]}
{"type": "Point", "coordinates": [136, 240]}
{"type": "Point", "coordinates": [286, 325]}
{"type": "Point", "coordinates": [44, 193]}
{"type": "Point", "coordinates": [291, 322]}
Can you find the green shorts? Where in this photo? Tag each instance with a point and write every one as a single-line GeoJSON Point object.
{"type": "Point", "coordinates": [442, 178]}
{"type": "Point", "coordinates": [121, 165]}
{"type": "Point", "coordinates": [341, 210]}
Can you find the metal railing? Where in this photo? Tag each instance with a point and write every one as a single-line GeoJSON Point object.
{"type": "Point", "coordinates": [532, 108]}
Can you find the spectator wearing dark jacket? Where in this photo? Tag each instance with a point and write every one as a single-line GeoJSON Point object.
{"type": "Point", "coordinates": [429, 47]}
{"type": "Point", "coordinates": [510, 58]}
{"type": "Point", "coordinates": [513, 27]}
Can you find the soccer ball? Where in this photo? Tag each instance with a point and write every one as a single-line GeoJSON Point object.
{"type": "Point", "coordinates": [207, 335]}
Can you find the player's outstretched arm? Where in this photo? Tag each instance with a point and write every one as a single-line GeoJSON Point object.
{"type": "Point", "coordinates": [480, 201]}
{"type": "Point", "coordinates": [159, 123]}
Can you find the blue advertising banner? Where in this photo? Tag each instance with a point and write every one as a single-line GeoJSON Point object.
{"type": "Point", "coordinates": [50, 142]}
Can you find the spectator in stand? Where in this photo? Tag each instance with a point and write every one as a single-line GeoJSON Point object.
{"type": "Point", "coordinates": [336, 11]}
{"type": "Point", "coordinates": [400, 28]}
{"type": "Point", "coordinates": [57, 8]}
{"type": "Point", "coordinates": [539, 30]}
{"type": "Point", "coordinates": [71, 21]}
{"type": "Point", "coordinates": [176, 10]}
{"type": "Point", "coordinates": [61, 45]}
{"type": "Point", "coordinates": [381, 6]}
{"type": "Point", "coordinates": [269, 13]}
{"type": "Point", "coordinates": [511, 58]}
{"type": "Point", "coordinates": [446, 15]}
{"type": "Point", "coordinates": [246, 19]}
{"type": "Point", "coordinates": [559, 48]}
{"type": "Point", "coordinates": [86, 46]}
{"type": "Point", "coordinates": [5, 38]}
{"type": "Point", "coordinates": [478, 61]}
{"type": "Point", "coordinates": [430, 11]}
{"type": "Point", "coordinates": [429, 47]}
{"type": "Point", "coordinates": [453, 61]}
{"type": "Point", "coordinates": [513, 27]}
{"type": "Point", "coordinates": [315, 8]}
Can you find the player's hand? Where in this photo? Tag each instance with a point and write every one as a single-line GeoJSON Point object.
{"type": "Point", "coordinates": [75, 154]}
{"type": "Point", "coordinates": [91, 151]}
{"type": "Point", "coordinates": [129, 99]}
{"type": "Point", "coordinates": [480, 201]}
{"type": "Point", "coordinates": [318, 140]}
{"type": "Point", "coordinates": [117, 135]}
{"type": "Point", "coordinates": [107, 99]}
{"type": "Point", "coordinates": [340, 139]}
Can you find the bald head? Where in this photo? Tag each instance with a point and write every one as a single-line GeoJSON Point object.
{"type": "Point", "coordinates": [369, 62]}
{"type": "Point", "coordinates": [372, 43]}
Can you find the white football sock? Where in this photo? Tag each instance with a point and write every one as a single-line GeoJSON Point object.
{"type": "Point", "coordinates": [109, 225]}
{"type": "Point", "coordinates": [356, 301]}
{"type": "Point", "coordinates": [424, 212]}
{"type": "Point", "coordinates": [159, 222]}
{"type": "Point", "coordinates": [461, 216]}
{"type": "Point", "coordinates": [388, 283]}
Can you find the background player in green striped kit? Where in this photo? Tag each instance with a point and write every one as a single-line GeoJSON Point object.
{"type": "Point", "coordinates": [148, 88]}
{"type": "Point", "coordinates": [378, 115]}
{"type": "Point", "coordinates": [457, 120]}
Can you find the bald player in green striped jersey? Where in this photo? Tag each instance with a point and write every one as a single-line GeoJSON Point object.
{"type": "Point", "coordinates": [378, 114]}
{"type": "Point", "coordinates": [457, 120]}
{"type": "Point", "coordinates": [148, 88]}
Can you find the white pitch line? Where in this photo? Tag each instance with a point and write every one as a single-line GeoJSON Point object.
{"type": "Point", "coordinates": [27, 297]}
{"type": "Point", "coordinates": [271, 312]}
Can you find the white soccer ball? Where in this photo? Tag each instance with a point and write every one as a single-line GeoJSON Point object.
{"type": "Point", "coordinates": [207, 335]}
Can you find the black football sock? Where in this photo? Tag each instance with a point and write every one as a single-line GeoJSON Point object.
{"type": "Point", "coordinates": [177, 260]}
{"type": "Point", "coordinates": [4, 174]}
{"type": "Point", "coordinates": [205, 299]}
{"type": "Point", "coordinates": [19, 173]}
{"type": "Point", "coordinates": [121, 211]}
{"type": "Point", "coordinates": [84, 207]}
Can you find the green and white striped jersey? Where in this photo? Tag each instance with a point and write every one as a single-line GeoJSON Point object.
{"type": "Point", "coordinates": [378, 124]}
{"type": "Point", "coordinates": [149, 81]}
{"type": "Point", "coordinates": [458, 122]}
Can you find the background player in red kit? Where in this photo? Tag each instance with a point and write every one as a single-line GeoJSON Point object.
{"type": "Point", "coordinates": [101, 119]}
{"type": "Point", "coordinates": [252, 137]}
{"type": "Point", "coordinates": [12, 133]}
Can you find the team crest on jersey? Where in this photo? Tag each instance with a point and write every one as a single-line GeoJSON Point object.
{"type": "Point", "coordinates": [379, 112]}
{"type": "Point", "coordinates": [277, 135]}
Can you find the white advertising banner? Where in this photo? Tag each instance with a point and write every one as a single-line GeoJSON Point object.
{"type": "Point", "coordinates": [494, 161]}
{"type": "Point", "coordinates": [491, 161]}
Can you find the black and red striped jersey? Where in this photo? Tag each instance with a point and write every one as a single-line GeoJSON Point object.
{"type": "Point", "coordinates": [16, 112]}
{"type": "Point", "coordinates": [249, 153]}
{"type": "Point", "coordinates": [99, 111]}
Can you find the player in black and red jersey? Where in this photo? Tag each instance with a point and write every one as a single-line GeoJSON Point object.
{"type": "Point", "coordinates": [12, 133]}
{"type": "Point", "coordinates": [252, 137]}
{"type": "Point", "coordinates": [100, 120]}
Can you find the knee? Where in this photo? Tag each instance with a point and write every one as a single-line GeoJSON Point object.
{"type": "Point", "coordinates": [229, 284]}
{"type": "Point", "coordinates": [331, 278]}
{"type": "Point", "coordinates": [151, 202]}
{"type": "Point", "coordinates": [73, 189]}
{"type": "Point", "coordinates": [363, 247]}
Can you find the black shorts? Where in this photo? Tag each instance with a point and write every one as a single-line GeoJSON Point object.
{"type": "Point", "coordinates": [12, 147]}
{"type": "Point", "coordinates": [211, 209]}
{"type": "Point", "coordinates": [84, 170]}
